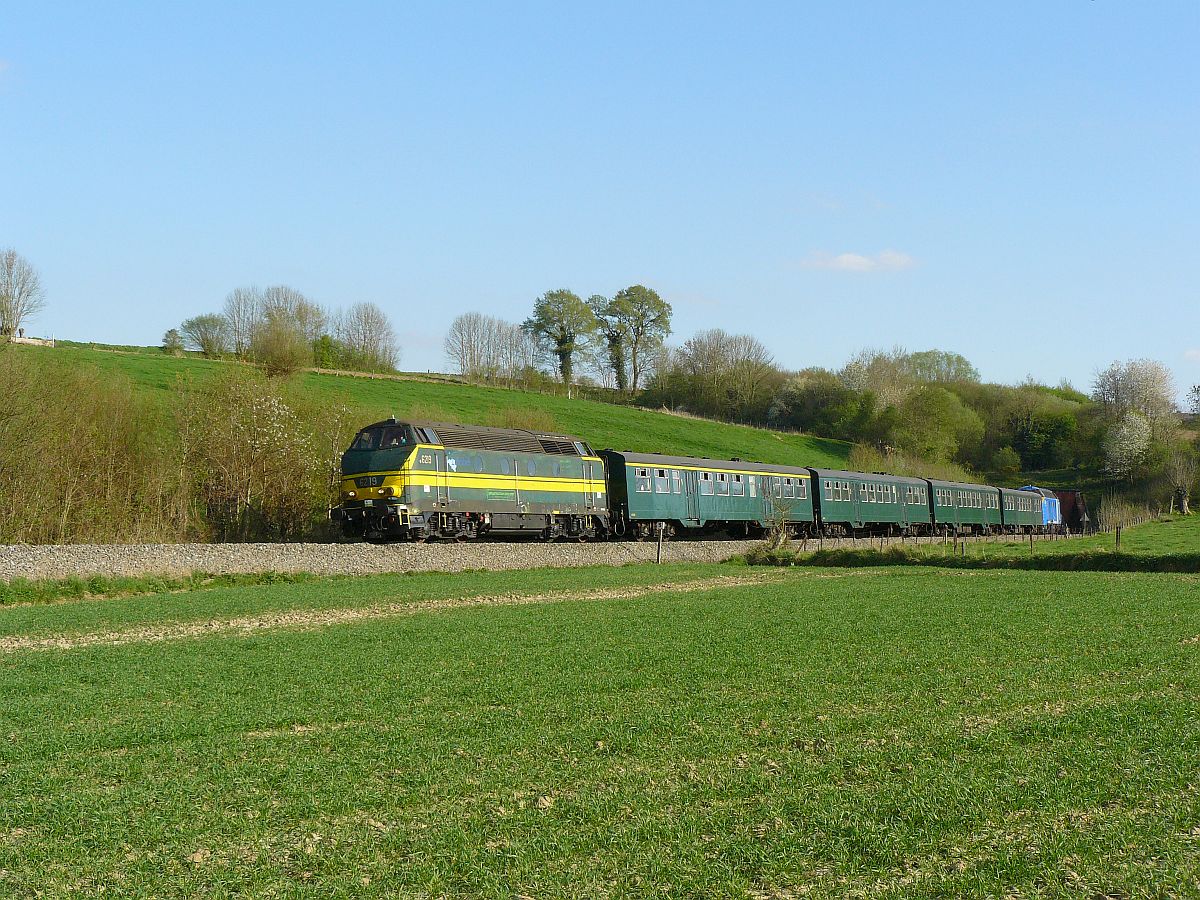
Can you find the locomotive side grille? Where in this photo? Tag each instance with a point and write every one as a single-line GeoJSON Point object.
{"type": "Point", "coordinates": [562, 448]}
{"type": "Point", "coordinates": [469, 438]}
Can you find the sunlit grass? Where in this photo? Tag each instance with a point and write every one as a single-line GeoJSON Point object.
{"type": "Point", "coordinates": [899, 733]}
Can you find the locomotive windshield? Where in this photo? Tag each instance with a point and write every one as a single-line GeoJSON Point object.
{"type": "Point", "coordinates": [387, 437]}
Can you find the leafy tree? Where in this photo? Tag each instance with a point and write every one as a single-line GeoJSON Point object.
{"type": "Point", "coordinates": [940, 366]}
{"type": "Point", "coordinates": [1194, 399]}
{"type": "Point", "coordinates": [646, 321]}
{"type": "Point", "coordinates": [172, 342]}
{"type": "Point", "coordinates": [1006, 460]}
{"type": "Point", "coordinates": [934, 423]}
{"type": "Point", "coordinates": [280, 346]}
{"type": "Point", "coordinates": [613, 330]}
{"type": "Point", "coordinates": [208, 333]}
{"type": "Point", "coordinates": [561, 321]}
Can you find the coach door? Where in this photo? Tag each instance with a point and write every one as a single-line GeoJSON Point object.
{"type": "Point", "coordinates": [691, 494]}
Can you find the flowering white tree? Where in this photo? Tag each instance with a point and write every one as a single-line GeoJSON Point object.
{"type": "Point", "coordinates": [1126, 445]}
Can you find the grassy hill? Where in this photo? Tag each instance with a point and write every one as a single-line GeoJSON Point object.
{"type": "Point", "coordinates": [601, 424]}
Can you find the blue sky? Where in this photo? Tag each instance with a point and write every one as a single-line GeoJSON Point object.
{"type": "Point", "coordinates": [1019, 182]}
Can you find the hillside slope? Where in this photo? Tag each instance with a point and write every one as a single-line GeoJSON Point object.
{"type": "Point", "coordinates": [601, 424]}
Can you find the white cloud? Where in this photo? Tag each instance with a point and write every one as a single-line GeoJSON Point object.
{"type": "Point", "coordinates": [1192, 355]}
{"type": "Point", "coordinates": [857, 262]}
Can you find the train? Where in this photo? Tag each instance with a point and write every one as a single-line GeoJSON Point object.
{"type": "Point", "coordinates": [422, 481]}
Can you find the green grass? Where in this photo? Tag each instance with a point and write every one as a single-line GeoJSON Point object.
{"type": "Point", "coordinates": [101, 587]}
{"type": "Point", "coordinates": [833, 733]}
{"type": "Point", "coordinates": [601, 424]}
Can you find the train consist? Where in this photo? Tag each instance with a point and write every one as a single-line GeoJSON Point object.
{"type": "Point", "coordinates": [436, 481]}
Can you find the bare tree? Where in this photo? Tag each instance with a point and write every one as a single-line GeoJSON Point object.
{"type": "Point", "coordinates": [244, 312]}
{"type": "Point", "coordinates": [1194, 399]}
{"type": "Point", "coordinates": [21, 293]}
{"type": "Point", "coordinates": [280, 346]}
{"type": "Point", "coordinates": [1180, 471]}
{"type": "Point", "coordinates": [308, 316]}
{"type": "Point", "coordinates": [885, 373]}
{"type": "Point", "coordinates": [466, 341]}
{"type": "Point", "coordinates": [369, 338]}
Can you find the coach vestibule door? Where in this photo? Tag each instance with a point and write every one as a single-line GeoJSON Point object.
{"type": "Point", "coordinates": [691, 493]}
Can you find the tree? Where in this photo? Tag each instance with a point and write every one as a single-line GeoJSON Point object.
{"type": "Point", "coordinates": [561, 322]}
{"type": "Point", "coordinates": [172, 342]}
{"type": "Point", "coordinates": [309, 317]}
{"type": "Point", "coordinates": [369, 338]}
{"type": "Point", "coordinates": [1006, 460]}
{"type": "Point", "coordinates": [1127, 444]}
{"type": "Point", "coordinates": [883, 373]}
{"type": "Point", "coordinates": [244, 312]}
{"type": "Point", "coordinates": [613, 330]}
{"type": "Point", "coordinates": [21, 292]}
{"type": "Point", "coordinates": [1194, 399]}
{"type": "Point", "coordinates": [1180, 470]}
{"type": "Point", "coordinates": [940, 366]}
{"type": "Point", "coordinates": [280, 346]}
{"type": "Point", "coordinates": [1142, 386]}
{"type": "Point", "coordinates": [935, 424]}
{"type": "Point", "coordinates": [644, 321]}
{"type": "Point", "coordinates": [208, 333]}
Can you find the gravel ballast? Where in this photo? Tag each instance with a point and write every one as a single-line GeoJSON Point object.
{"type": "Point", "coordinates": [39, 561]}
{"type": "Point", "coordinates": [84, 560]}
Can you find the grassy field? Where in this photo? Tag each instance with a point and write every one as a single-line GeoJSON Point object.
{"type": "Point", "coordinates": [642, 731]}
{"type": "Point", "coordinates": [602, 424]}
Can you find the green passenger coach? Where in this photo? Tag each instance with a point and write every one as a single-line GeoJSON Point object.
{"type": "Point", "coordinates": [1022, 510]}
{"type": "Point", "coordinates": [850, 502]}
{"type": "Point", "coordinates": [960, 508]}
{"type": "Point", "coordinates": [649, 493]}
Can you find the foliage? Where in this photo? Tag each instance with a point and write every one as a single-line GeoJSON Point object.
{"type": "Point", "coordinates": [172, 342]}
{"type": "Point", "coordinates": [935, 424]}
{"type": "Point", "coordinates": [263, 462]}
{"type": "Point", "coordinates": [82, 457]}
{"type": "Point", "coordinates": [867, 458]}
{"type": "Point", "coordinates": [728, 376]}
{"type": "Point", "coordinates": [1006, 460]}
{"type": "Point", "coordinates": [278, 344]}
{"type": "Point", "coordinates": [208, 333]}
{"type": "Point", "coordinates": [644, 320]}
{"type": "Point", "coordinates": [561, 322]}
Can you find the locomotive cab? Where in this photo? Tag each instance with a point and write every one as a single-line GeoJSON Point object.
{"type": "Point", "coordinates": [372, 484]}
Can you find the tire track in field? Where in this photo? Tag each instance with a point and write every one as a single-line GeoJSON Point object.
{"type": "Point", "coordinates": [310, 619]}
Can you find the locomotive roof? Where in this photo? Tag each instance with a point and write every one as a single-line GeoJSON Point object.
{"type": "Point", "coordinates": [703, 462]}
{"type": "Point", "coordinates": [483, 437]}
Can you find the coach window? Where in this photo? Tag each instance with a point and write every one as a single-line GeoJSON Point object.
{"type": "Point", "coordinates": [787, 488]}
{"type": "Point", "coordinates": [739, 486]}
{"type": "Point", "coordinates": [802, 489]}
{"type": "Point", "coordinates": [753, 479]}
{"type": "Point", "coordinates": [643, 481]}
{"type": "Point", "coordinates": [662, 482]}
{"type": "Point", "coordinates": [706, 483]}
{"type": "Point", "coordinates": [722, 484]}
{"type": "Point", "coordinates": [828, 490]}
{"type": "Point", "coordinates": [676, 481]}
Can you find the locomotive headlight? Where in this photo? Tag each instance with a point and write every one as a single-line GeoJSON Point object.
{"type": "Point", "coordinates": [349, 494]}
{"type": "Point", "coordinates": [389, 491]}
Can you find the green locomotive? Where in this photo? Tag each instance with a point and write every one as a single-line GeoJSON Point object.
{"type": "Point", "coordinates": [432, 480]}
